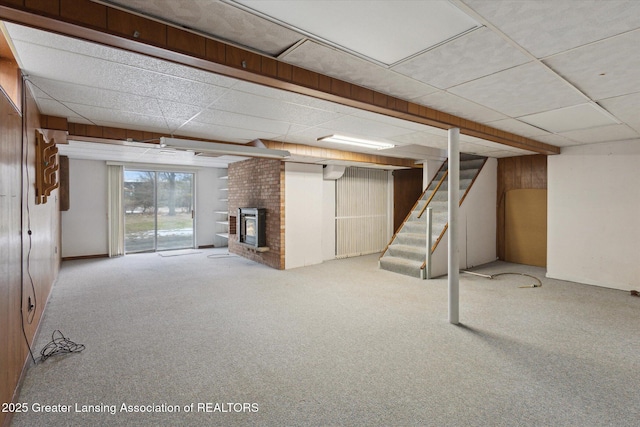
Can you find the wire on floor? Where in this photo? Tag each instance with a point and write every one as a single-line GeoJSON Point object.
{"type": "Point", "coordinates": [493, 276]}
{"type": "Point", "coordinates": [59, 344]}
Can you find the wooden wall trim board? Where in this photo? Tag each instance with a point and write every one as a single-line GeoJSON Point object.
{"type": "Point", "coordinates": [121, 29]}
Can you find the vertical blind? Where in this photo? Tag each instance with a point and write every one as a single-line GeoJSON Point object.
{"type": "Point", "coordinates": [362, 212]}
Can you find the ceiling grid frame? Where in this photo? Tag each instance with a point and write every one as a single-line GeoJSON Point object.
{"type": "Point", "coordinates": [392, 107]}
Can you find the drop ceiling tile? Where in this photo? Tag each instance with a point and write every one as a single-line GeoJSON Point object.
{"type": "Point", "coordinates": [78, 47]}
{"type": "Point", "coordinates": [384, 32]}
{"type": "Point", "coordinates": [499, 154]}
{"type": "Point", "coordinates": [360, 127]}
{"type": "Point", "coordinates": [50, 107]}
{"type": "Point", "coordinates": [176, 110]}
{"type": "Point", "coordinates": [99, 114]}
{"type": "Point", "coordinates": [604, 69]}
{"type": "Point", "coordinates": [414, 152]}
{"type": "Point", "coordinates": [601, 134]}
{"type": "Point", "coordinates": [335, 63]}
{"type": "Point", "coordinates": [576, 117]}
{"type": "Point", "coordinates": [258, 106]}
{"type": "Point", "coordinates": [92, 72]}
{"type": "Point", "coordinates": [452, 104]}
{"type": "Point", "coordinates": [240, 121]}
{"type": "Point", "coordinates": [222, 133]}
{"type": "Point", "coordinates": [556, 140]}
{"type": "Point", "coordinates": [545, 28]}
{"type": "Point", "coordinates": [625, 108]}
{"type": "Point", "coordinates": [518, 127]}
{"type": "Point", "coordinates": [219, 19]}
{"type": "Point", "coordinates": [426, 139]}
{"type": "Point", "coordinates": [474, 55]}
{"type": "Point", "coordinates": [92, 96]}
{"type": "Point", "coordinates": [292, 97]}
{"type": "Point", "coordinates": [519, 91]}
{"type": "Point", "coordinates": [392, 121]}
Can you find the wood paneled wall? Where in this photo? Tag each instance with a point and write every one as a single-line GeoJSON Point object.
{"type": "Point", "coordinates": [407, 188]}
{"type": "Point", "coordinates": [516, 173]}
{"type": "Point", "coordinates": [29, 263]}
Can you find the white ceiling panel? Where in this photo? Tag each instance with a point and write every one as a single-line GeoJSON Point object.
{"type": "Point", "coordinates": [68, 93]}
{"type": "Point", "coordinates": [488, 79]}
{"type": "Point", "coordinates": [77, 69]}
{"type": "Point", "coordinates": [338, 64]}
{"type": "Point", "coordinates": [219, 19]}
{"type": "Point", "coordinates": [357, 126]}
{"type": "Point", "coordinates": [392, 121]}
{"type": "Point", "coordinates": [557, 140]}
{"type": "Point", "coordinates": [423, 138]}
{"type": "Point", "coordinates": [518, 127]}
{"type": "Point", "coordinates": [292, 98]}
{"type": "Point", "coordinates": [414, 152]}
{"type": "Point", "coordinates": [50, 107]}
{"type": "Point", "coordinates": [517, 91]}
{"type": "Point", "coordinates": [474, 55]}
{"type": "Point", "coordinates": [222, 133]}
{"type": "Point", "coordinates": [453, 104]}
{"type": "Point", "coordinates": [92, 50]}
{"type": "Point", "coordinates": [601, 134]}
{"type": "Point", "coordinates": [258, 106]}
{"type": "Point", "coordinates": [387, 32]}
{"type": "Point", "coordinates": [546, 27]}
{"type": "Point", "coordinates": [604, 69]}
{"type": "Point", "coordinates": [626, 108]}
{"type": "Point", "coordinates": [576, 117]}
{"type": "Point", "coordinates": [507, 153]}
{"type": "Point", "coordinates": [241, 121]}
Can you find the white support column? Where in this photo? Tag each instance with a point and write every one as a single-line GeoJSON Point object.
{"type": "Point", "coordinates": [452, 230]}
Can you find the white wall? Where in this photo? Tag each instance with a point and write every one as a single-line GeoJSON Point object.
{"type": "Point", "coordinates": [477, 224]}
{"type": "Point", "coordinates": [208, 195]}
{"type": "Point", "coordinates": [593, 220]}
{"type": "Point", "coordinates": [303, 213]}
{"type": "Point", "coordinates": [430, 168]}
{"type": "Point", "coordinates": [84, 225]}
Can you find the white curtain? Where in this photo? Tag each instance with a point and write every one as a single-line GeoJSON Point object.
{"type": "Point", "coordinates": [116, 211]}
{"type": "Point", "coordinates": [362, 212]}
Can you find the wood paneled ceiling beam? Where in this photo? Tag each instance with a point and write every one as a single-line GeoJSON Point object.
{"type": "Point", "coordinates": [109, 26]}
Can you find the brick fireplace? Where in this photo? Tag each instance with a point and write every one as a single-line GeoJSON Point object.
{"type": "Point", "coordinates": [258, 183]}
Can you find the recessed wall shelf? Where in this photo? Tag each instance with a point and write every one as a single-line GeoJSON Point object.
{"type": "Point", "coordinates": [222, 221]}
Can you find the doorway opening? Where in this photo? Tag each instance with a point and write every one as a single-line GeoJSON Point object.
{"type": "Point", "coordinates": [159, 210]}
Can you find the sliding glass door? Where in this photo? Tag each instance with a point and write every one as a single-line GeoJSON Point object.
{"type": "Point", "coordinates": [158, 210]}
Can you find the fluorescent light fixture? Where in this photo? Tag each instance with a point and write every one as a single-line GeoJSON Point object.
{"type": "Point", "coordinates": [363, 143]}
{"type": "Point", "coordinates": [222, 149]}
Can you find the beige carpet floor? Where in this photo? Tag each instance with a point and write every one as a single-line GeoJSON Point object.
{"type": "Point", "coordinates": [225, 341]}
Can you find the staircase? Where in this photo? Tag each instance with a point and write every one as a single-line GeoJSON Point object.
{"type": "Point", "coordinates": [406, 253]}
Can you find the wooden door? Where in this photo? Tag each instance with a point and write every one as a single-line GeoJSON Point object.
{"type": "Point", "coordinates": [407, 187]}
